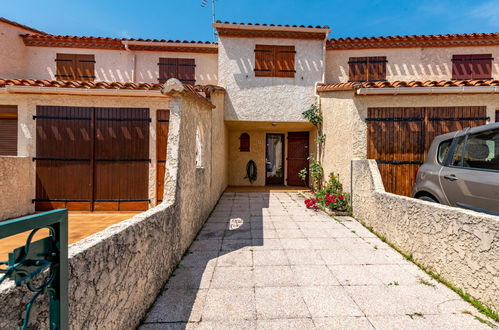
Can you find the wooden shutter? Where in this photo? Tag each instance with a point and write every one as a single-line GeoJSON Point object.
{"type": "Point", "coordinates": [264, 61]}
{"type": "Point", "coordinates": [8, 131]}
{"type": "Point", "coordinates": [285, 61]}
{"type": "Point", "coordinates": [65, 67]}
{"type": "Point", "coordinates": [167, 69]}
{"type": "Point", "coordinates": [357, 69]}
{"type": "Point", "coordinates": [376, 68]}
{"type": "Point", "coordinates": [481, 66]}
{"type": "Point", "coordinates": [186, 70]}
{"type": "Point", "coordinates": [497, 116]}
{"type": "Point", "coordinates": [85, 67]}
{"type": "Point", "coordinates": [462, 67]}
{"type": "Point", "coordinates": [244, 142]}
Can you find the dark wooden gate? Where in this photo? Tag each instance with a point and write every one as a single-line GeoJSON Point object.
{"type": "Point", "coordinates": [163, 119]}
{"type": "Point", "coordinates": [298, 152]}
{"type": "Point", "coordinates": [399, 138]}
{"type": "Point", "coordinates": [92, 158]}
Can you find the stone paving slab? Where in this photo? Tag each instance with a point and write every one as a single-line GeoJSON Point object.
{"type": "Point", "coordinates": [263, 261]}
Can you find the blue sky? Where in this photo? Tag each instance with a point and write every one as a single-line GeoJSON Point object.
{"type": "Point", "coordinates": [187, 20]}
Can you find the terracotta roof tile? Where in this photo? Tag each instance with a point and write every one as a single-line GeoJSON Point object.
{"type": "Point", "coordinates": [51, 40]}
{"type": "Point", "coordinates": [22, 26]}
{"type": "Point", "coordinates": [415, 41]}
{"type": "Point", "coordinates": [79, 84]}
{"type": "Point", "coordinates": [194, 91]}
{"type": "Point", "coordinates": [415, 83]}
{"type": "Point", "coordinates": [276, 25]}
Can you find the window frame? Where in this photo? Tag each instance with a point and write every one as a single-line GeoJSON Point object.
{"type": "Point", "coordinates": [470, 59]}
{"type": "Point", "coordinates": [76, 69]}
{"type": "Point", "coordinates": [367, 68]}
{"type": "Point", "coordinates": [270, 58]}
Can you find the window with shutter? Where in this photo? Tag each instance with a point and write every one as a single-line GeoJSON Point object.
{"type": "Point", "coordinates": [8, 131]}
{"type": "Point", "coordinates": [75, 67]}
{"type": "Point", "coordinates": [476, 66]}
{"type": "Point", "coordinates": [85, 67]}
{"type": "Point", "coordinates": [184, 69]}
{"type": "Point", "coordinates": [244, 142]}
{"type": "Point", "coordinates": [497, 116]}
{"type": "Point", "coordinates": [285, 61]}
{"type": "Point", "coordinates": [264, 61]}
{"type": "Point", "coordinates": [274, 61]}
{"type": "Point", "coordinates": [367, 68]}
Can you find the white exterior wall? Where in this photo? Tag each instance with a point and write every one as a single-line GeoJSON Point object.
{"type": "Point", "coordinates": [251, 98]}
{"type": "Point", "coordinates": [115, 65]}
{"type": "Point", "coordinates": [148, 69]}
{"type": "Point", "coordinates": [406, 64]}
{"type": "Point", "coordinates": [12, 51]}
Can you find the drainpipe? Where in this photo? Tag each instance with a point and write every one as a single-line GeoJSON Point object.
{"type": "Point", "coordinates": [134, 58]}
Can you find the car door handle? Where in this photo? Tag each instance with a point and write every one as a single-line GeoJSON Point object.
{"type": "Point", "coordinates": [450, 177]}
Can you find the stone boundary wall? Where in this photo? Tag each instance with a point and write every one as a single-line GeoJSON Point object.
{"type": "Point", "coordinates": [116, 274]}
{"type": "Point", "coordinates": [16, 187]}
{"type": "Point", "coordinates": [460, 245]}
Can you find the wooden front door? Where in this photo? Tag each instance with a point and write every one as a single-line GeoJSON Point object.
{"type": "Point", "coordinates": [274, 159]}
{"type": "Point", "coordinates": [399, 138]}
{"type": "Point", "coordinates": [92, 158]}
{"type": "Point", "coordinates": [298, 152]}
{"type": "Point", "coordinates": [163, 120]}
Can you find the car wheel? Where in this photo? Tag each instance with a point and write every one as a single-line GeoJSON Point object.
{"type": "Point", "coordinates": [428, 199]}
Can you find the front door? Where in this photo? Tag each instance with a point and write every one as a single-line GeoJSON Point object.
{"type": "Point", "coordinates": [274, 159]}
{"type": "Point", "coordinates": [297, 157]}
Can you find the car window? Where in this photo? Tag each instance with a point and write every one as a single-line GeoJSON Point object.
{"type": "Point", "coordinates": [482, 150]}
{"type": "Point", "coordinates": [457, 160]}
{"type": "Point", "coordinates": [443, 151]}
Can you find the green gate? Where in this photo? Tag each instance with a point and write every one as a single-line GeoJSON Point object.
{"type": "Point", "coordinates": [48, 255]}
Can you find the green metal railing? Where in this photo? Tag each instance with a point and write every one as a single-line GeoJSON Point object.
{"type": "Point", "coordinates": [44, 261]}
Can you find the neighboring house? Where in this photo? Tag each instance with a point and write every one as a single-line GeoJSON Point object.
{"type": "Point", "coordinates": [381, 98]}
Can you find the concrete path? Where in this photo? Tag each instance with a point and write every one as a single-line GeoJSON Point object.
{"type": "Point", "coordinates": [263, 261]}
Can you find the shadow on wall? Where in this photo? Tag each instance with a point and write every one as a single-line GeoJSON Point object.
{"type": "Point", "coordinates": [307, 70]}
{"type": "Point", "coordinates": [236, 224]}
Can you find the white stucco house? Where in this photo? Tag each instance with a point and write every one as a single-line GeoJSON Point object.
{"type": "Point", "coordinates": [95, 106]}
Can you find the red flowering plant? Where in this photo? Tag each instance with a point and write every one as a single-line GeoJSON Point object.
{"type": "Point", "coordinates": [330, 196]}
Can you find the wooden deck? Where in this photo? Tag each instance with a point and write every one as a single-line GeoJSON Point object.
{"type": "Point", "coordinates": [81, 225]}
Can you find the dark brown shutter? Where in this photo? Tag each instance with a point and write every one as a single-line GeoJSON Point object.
{"type": "Point", "coordinates": [167, 69]}
{"type": "Point", "coordinates": [186, 70]}
{"type": "Point", "coordinates": [244, 142]}
{"type": "Point", "coordinates": [481, 66]}
{"type": "Point", "coordinates": [8, 131]}
{"type": "Point", "coordinates": [376, 68]}
{"type": "Point", "coordinates": [65, 64]}
{"type": "Point", "coordinates": [285, 61]}
{"type": "Point", "coordinates": [357, 69]}
{"type": "Point", "coordinates": [264, 61]}
{"type": "Point", "coordinates": [462, 67]}
{"type": "Point", "coordinates": [85, 67]}
{"type": "Point", "coordinates": [497, 116]}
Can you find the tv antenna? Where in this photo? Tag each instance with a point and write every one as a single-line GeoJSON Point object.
{"type": "Point", "coordinates": [204, 4]}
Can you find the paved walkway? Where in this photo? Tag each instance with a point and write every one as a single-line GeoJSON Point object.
{"type": "Point", "coordinates": [264, 261]}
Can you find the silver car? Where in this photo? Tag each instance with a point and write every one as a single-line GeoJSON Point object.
{"type": "Point", "coordinates": [462, 169]}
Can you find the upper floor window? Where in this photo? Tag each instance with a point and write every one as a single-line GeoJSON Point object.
{"type": "Point", "coordinates": [181, 68]}
{"type": "Point", "coordinates": [8, 130]}
{"type": "Point", "coordinates": [274, 61]}
{"type": "Point", "coordinates": [477, 66]}
{"type": "Point", "coordinates": [367, 68]}
{"type": "Point", "coordinates": [75, 67]}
